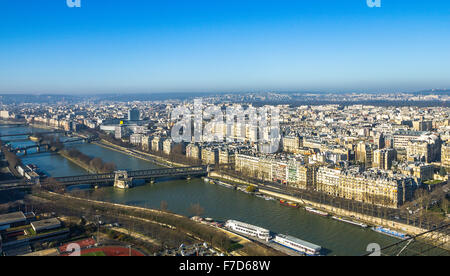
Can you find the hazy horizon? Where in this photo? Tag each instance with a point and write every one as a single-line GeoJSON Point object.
{"type": "Point", "coordinates": [331, 91]}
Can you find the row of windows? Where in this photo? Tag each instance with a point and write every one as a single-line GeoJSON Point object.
{"type": "Point", "coordinates": [252, 232]}
{"type": "Point", "coordinates": [297, 246]}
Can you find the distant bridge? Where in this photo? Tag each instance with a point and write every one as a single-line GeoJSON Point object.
{"type": "Point", "coordinates": [14, 184]}
{"type": "Point", "coordinates": [109, 177]}
{"type": "Point", "coordinates": [142, 174]}
{"type": "Point", "coordinates": [24, 150]}
{"type": "Point", "coordinates": [46, 146]}
{"type": "Point", "coordinates": [13, 125]}
{"type": "Point", "coordinates": [16, 140]}
{"type": "Point", "coordinates": [32, 133]}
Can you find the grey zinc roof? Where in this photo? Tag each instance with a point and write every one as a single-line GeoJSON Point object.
{"type": "Point", "coordinates": [12, 218]}
{"type": "Point", "coordinates": [46, 224]}
{"type": "Point", "coordinates": [302, 242]}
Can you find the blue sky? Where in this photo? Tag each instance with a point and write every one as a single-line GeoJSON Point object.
{"type": "Point", "coordinates": [138, 46]}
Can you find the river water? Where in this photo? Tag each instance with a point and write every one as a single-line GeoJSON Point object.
{"type": "Point", "coordinates": [218, 202]}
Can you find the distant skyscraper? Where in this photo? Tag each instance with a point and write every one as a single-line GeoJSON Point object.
{"type": "Point", "coordinates": [133, 115]}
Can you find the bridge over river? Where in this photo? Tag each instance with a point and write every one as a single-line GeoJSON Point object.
{"type": "Point", "coordinates": [105, 178]}
{"type": "Point", "coordinates": [46, 146]}
{"type": "Point", "coordinates": [33, 133]}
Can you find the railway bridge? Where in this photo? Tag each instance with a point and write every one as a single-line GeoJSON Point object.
{"type": "Point", "coordinates": [108, 178]}
{"type": "Point", "coordinates": [151, 174]}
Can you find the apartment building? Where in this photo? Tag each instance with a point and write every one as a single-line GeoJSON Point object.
{"type": "Point", "coordinates": [364, 154]}
{"type": "Point", "coordinates": [402, 138]}
{"type": "Point", "coordinates": [292, 144]}
{"type": "Point", "coordinates": [376, 188]}
{"type": "Point", "coordinates": [136, 139]}
{"type": "Point", "coordinates": [254, 166]}
{"type": "Point", "coordinates": [193, 152]}
{"type": "Point", "coordinates": [383, 158]}
{"type": "Point", "coordinates": [146, 142]}
{"type": "Point", "coordinates": [156, 144]}
{"type": "Point", "coordinates": [167, 146]}
{"type": "Point", "coordinates": [425, 149]}
{"type": "Point", "coordinates": [306, 177]}
{"type": "Point", "coordinates": [210, 156]}
{"type": "Point", "coordinates": [422, 125]}
{"type": "Point", "coordinates": [445, 156]}
{"type": "Point", "coordinates": [422, 171]}
{"type": "Point", "coordinates": [226, 157]}
{"type": "Point", "coordinates": [328, 180]}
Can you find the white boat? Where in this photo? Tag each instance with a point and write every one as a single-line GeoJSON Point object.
{"type": "Point", "coordinates": [226, 185]}
{"type": "Point", "coordinates": [298, 245]}
{"type": "Point", "coordinates": [248, 229]}
{"type": "Point", "coordinates": [350, 222]}
{"type": "Point", "coordinates": [320, 213]}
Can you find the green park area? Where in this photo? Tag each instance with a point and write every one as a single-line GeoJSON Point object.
{"type": "Point", "coordinates": [94, 254]}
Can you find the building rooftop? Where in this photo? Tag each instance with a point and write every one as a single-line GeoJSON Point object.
{"type": "Point", "coordinates": [302, 242]}
{"type": "Point", "coordinates": [12, 218]}
{"type": "Point", "coordinates": [46, 224]}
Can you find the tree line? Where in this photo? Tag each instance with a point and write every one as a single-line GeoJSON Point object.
{"type": "Point", "coordinates": [54, 142]}
{"type": "Point", "coordinates": [96, 163]}
{"type": "Point", "coordinates": [11, 158]}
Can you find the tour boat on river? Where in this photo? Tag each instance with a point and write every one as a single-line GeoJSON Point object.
{"type": "Point", "coordinates": [389, 232]}
{"type": "Point", "coordinates": [317, 212]}
{"type": "Point", "coordinates": [350, 221]}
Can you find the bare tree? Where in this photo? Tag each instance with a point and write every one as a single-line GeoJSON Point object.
{"type": "Point", "coordinates": [54, 186]}
{"type": "Point", "coordinates": [97, 164]}
{"type": "Point", "coordinates": [164, 206]}
{"type": "Point", "coordinates": [444, 204]}
{"type": "Point", "coordinates": [196, 209]}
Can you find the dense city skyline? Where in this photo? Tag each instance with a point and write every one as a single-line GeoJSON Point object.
{"type": "Point", "coordinates": [203, 46]}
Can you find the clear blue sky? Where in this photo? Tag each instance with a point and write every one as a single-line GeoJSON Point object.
{"type": "Point", "coordinates": [233, 45]}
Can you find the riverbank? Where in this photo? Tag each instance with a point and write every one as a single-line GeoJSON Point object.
{"type": "Point", "coordinates": [443, 241]}
{"type": "Point", "coordinates": [173, 223]}
{"type": "Point", "coordinates": [138, 154]}
{"type": "Point", "coordinates": [77, 162]}
{"type": "Point", "coordinates": [12, 122]}
{"type": "Point", "coordinates": [41, 126]}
